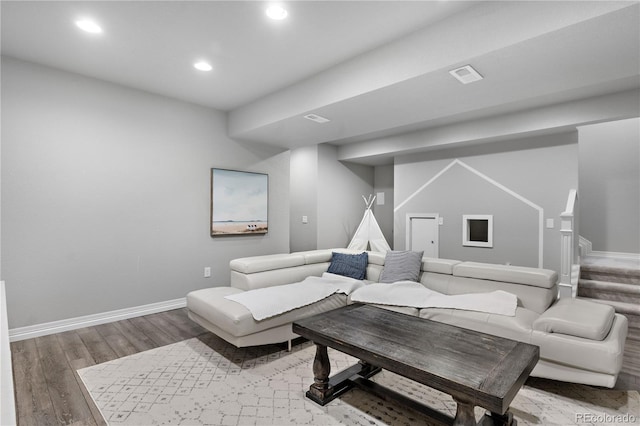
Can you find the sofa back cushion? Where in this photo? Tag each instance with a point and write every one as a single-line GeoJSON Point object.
{"type": "Point", "coordinates": [537, 299]}
{"type": "Point", "coordinates": [536, 277]}
{"type": "Point", "coordinates": [277, 276]}
{"type": "Point", "coordinates": [253, 264]}
{"type": "Point", "coordinates": [436, 282]}
{"type": "Point", "coordinates": [535, 288]}
{"type": "Point", "coordinates": [375, 266]}
{"type": "Point", "coordinates": [437, 265]}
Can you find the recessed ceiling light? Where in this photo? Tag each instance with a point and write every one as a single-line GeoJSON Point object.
{"type": "Point", "coordinates": [88, 26]}
{"type": "Point", "coordinates": [277, 12]}
{"type": "Point", "coordinates": [466, 74]}
{"type": "Point", "coordinates": [203, 66]}
{"type": "Point", "coordinates": [317, 118]}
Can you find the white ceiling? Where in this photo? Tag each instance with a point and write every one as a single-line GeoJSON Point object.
{"type": "Point", "coordinates": [152, 45]}
{"type": "Point", "coordinates": [375, 68]}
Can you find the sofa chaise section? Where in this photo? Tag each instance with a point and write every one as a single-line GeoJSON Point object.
{"type": "Point", "coordinates": [235, 324]}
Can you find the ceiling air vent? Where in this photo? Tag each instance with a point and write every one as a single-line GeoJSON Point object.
{"type": "Point", "coordinates": [316, 118]}
{"type": "Point", "coordinates": [466, 74]}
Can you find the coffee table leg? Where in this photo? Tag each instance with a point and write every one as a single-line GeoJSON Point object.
{"type": "Point", "coordinates": [464, 414]}
{"type": "Point", "coordinates": [368, 370]}
{"type": "Point", "coordinates": [505, 419]}
{"type": "Point", "coordinates": [320, 389]}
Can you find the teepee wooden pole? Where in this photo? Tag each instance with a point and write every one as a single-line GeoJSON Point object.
{"type": "Point", "coordinates": [369, 202]}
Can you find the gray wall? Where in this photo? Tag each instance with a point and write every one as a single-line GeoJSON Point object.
{"type": "Point", "coordinates": [329, 193]}
{"type": "Point", "coordinates": [383, 182]}
{"type": "Point", "coordinates": [106, 196]}
{"type": "Point", "coordinates": [540, 170]}
{"type": "Point", "coordinates": [304, 199]}
{"type": "Point", "coordinates": [340, 190]}
{"type": "Point", "coordinates": [609, 194]}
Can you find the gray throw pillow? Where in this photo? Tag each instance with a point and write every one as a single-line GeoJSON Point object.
{"type": "Point", "coordinates": [401, 266]}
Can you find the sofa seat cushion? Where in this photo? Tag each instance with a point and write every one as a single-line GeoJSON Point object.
{"type": "Point", "coordinates": [602, 356]}
{"type": "Point", "coordinates": [235, 319]}
{"type": "Point", "coordinates": [576, 317]}
{"type": "Point", "coordinates": [407, 310]}
{"type": "Point", "coordinates": [517, 327]}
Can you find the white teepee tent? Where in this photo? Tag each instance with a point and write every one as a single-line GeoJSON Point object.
{"type": "Point", "coordinates": [369, 233]}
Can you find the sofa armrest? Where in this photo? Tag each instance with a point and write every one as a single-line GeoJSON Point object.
{"type": "Point", "coordinates": [576, 317]}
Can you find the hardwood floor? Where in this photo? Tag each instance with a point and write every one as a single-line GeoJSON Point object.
{"type": "Point", "coordinates": [49, 391]}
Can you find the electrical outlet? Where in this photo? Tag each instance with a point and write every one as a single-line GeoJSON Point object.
{"type": "Point", "coordinates": [207, 272]}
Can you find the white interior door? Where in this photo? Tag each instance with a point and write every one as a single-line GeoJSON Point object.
{"type": "Point", "coordinates": [422, 233]}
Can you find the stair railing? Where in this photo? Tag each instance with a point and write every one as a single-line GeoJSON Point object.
{"type": "Point", "coordinates": [569, 239]}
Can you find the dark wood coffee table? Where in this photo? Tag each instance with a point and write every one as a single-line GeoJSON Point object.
{"type": "Point", "coordinates": [476, 369]}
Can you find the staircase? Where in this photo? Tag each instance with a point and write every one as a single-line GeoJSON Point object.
{"type": "Point", "coordinates": [616, 282]}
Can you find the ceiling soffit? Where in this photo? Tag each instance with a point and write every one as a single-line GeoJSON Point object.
{"type": "Point", "coordinates": [531, 54]}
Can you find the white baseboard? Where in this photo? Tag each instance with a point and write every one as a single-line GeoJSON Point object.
{"type": "Point", "coordinates": [31, 331]}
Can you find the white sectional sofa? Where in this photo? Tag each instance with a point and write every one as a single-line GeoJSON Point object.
{"type": "Point", "coordinates": [580, 341]}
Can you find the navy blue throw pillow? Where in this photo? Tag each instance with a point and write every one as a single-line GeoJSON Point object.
{"type": "Point", "coordinates": [349, 265]}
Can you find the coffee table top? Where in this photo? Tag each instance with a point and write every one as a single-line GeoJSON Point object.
{"type": "Point", "coordinates": [480, 368]}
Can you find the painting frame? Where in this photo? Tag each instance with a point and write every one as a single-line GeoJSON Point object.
{"type": "Point", "coordinates": [239, 202]}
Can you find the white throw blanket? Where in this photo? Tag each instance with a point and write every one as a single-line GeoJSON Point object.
{"type": "Point", "coordinates": [413, 294]}
{"type": "Point", "coordinates": [270, 301]}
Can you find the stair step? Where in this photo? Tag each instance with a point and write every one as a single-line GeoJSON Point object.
{"type": "Point", "coordinates": [610, 286]}
{"type": "Point", "coordinates": [628, 261]}
{"type": "Point", "coordinates": [610, 274]}
{"type": "Point", "coordinates": [610, 292]}
{"type": "Point", "coordinates": [634, 334]}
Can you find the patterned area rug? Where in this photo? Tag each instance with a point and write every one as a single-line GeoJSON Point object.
{"type": "Point", "coordinates": [210, 382]}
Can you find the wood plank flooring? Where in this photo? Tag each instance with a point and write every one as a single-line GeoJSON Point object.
{"type": "Point", "coordinates": [49, 391]}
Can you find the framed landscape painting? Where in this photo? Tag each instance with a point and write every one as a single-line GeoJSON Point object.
{"type": "Point", "coordinates": [239, 202]}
